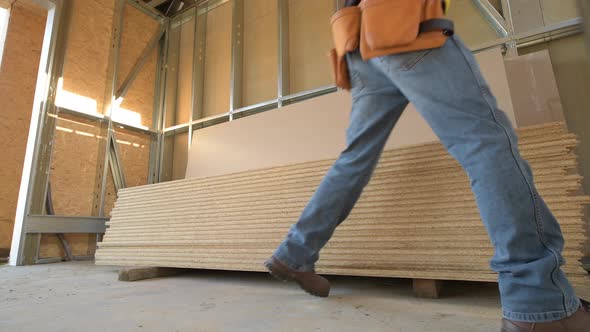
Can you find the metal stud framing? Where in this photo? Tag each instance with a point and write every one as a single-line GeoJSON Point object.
{"type": "Point", "coordinates": [31, 220]}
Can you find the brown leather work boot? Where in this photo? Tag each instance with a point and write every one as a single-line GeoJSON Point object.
{"type": "Point", "coordinates": [579, 322]}
{"type": "Point", "coordinates": [309, 281]}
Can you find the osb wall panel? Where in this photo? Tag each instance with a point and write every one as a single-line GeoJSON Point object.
{"type": "Point", "coordinates": [18, 77]}
{"type": "Point", "coordinates": [218, 60]}
{"type": "Point", "coordinates": [259, 81]}
{"type": "Point", "coordinates": [138, 30]}
{"type": "Point", "coordinates": [310, 40]}
{"type": "Point", "coordinates": [87, 55]}
{"type": "Point", "coordinates": [79, 245]}
{"type": "Point", "coordinates": [110, 195]}
{"type": "Point", "coordinates": [140, 97]}
{"type": "Point", "coordinates": [74, 164]}
{"type": "Point", "coordinates": [134, 150]}
{"type": "Point", "coordinates": [73, 177]}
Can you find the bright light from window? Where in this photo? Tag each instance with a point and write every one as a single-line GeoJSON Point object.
{"type": "Point", "coordinates": [4, 18]}
{"type": "Point", "coordinates": [75, 102]}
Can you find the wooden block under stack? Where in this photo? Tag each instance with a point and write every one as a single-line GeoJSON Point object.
{"type": "Point", "coordinates": [142, 273]}
{"type": "Point", "coordinates": [427, 288]}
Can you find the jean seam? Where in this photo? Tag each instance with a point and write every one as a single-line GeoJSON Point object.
{"type": "Point", "coordinates": [534, 198]}
{"type": "Point", "coordinates": [408, 65]}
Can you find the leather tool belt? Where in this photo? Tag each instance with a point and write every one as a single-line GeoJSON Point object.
{"type": "Point", "coordinates": [385, 27]}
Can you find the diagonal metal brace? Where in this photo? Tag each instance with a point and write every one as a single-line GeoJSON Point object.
{"type": "Point", "coordinates": [492, 15]}
{"type": "Point", "coordinates": [60, 236]}
{"type": "Point", "coordinates": [141, 61]}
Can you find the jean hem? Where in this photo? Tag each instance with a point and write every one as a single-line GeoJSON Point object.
{"type": "Point", "coordinates": [543, 317]}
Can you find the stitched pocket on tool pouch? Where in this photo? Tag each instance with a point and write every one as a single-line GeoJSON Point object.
{"type": "Point", "coordinates": [387, 23]}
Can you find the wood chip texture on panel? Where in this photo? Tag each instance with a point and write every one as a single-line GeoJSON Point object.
{"type": "Point", "coordinates": [18, 78]}
{"type": "Point", "coordinates": [417, 218]}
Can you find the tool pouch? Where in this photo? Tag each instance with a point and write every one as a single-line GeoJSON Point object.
{"type": "Point", "coordinates": [346, 27]}
{"type": "Point", "coordinates": [399, 26]}
{"type": "Point", "coordinates": [384, 27]}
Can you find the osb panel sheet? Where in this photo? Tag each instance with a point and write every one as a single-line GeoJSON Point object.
{"type": "Point", "coordinates": [110, 195]}
{"type": "Point", "coordinates": [179, 78]}
{"type": "Point", "coordinates": [138, 30]}
{"type": "Point", "coordinates": [51, 247]}
{"type": "Point", "coordinates": [87, 55]}
{"type": "Point", "coordinates": [138, 105]}
{"type": "Point", "coordinates": [74, 165]}
{"type": "Point", "coordinates": [73, 179]}
{"type": "Point", "coordinates": [309, 41]}
{"type": "Point", "coordinates": [18, 77]}
{"type": "Point", "coordinates": [134, 150]}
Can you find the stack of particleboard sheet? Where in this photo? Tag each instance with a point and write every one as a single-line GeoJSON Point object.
{"type": "Point", "coordinates": [417, 218]}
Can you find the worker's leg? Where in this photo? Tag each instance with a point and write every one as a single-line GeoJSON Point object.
{"type": "Point", "coordinates": [449, 91]}
{"type": "Point", "coordinates": [377, 105]}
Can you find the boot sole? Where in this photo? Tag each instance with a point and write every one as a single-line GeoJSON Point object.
{"type": "Point", "coordinates": [285, 277]}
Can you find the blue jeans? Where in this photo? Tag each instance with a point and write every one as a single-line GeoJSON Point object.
{"type": "Point", "coordinates": [450, 93]}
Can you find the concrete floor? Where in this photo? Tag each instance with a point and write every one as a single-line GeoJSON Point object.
{"type": "Point", "coordinates": [84, 297]}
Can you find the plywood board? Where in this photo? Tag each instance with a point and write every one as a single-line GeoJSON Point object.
{"type": "Point", "coordinates": [134, 151]}
{"type": "Point", "coordinates": [138, 106]}
{"type": "Point", "coordinates": [184, 93]}
{"type": "Point", "coordinates": [51, 247]}
{"type": "Point", "coordinates": [534, 89]}
{"type": "Point", "coordinates": [74, 164]}
{"type": "Point", "coordinates": [73, 177]}
{"type": "Point", "coordinates": [260, 62]}
{"type": "Point", "coordinates": [180, 156]}
{"type": "Point", "coordinates": [311, 130]}
{"type": "Point", "coordinates": [138, 30]}
{"type": "Point", "coordinates": [18, 77]}
{"type": "Point", "coordinates": [309, 41]}
{"type": "Point", "coordinates": [110, 195]}
{"type": "Point", "coordinates": [218, 61]}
